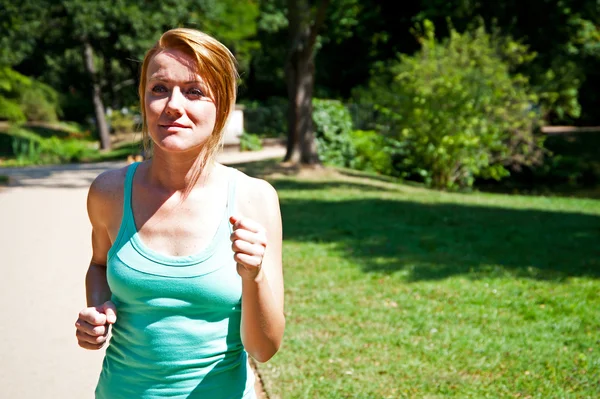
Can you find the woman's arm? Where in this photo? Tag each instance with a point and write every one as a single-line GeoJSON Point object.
{"type": "Point", "coordinates": [93, 322]}
{"type": "Point", "coordinates": [257, 241]}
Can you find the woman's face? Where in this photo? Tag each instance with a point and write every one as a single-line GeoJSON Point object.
{"type": "Point", "coordinates": [179, 114]}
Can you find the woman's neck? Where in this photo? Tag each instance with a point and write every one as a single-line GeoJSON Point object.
{"type": "Point", "coordinates": [178, 172]}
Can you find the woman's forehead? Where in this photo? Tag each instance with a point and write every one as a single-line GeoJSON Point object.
{"type": "Point", "coordinates": [171, 64]}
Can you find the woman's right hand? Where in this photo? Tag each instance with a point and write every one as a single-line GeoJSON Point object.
{"type": "Point", "coordinates": [93, 325]}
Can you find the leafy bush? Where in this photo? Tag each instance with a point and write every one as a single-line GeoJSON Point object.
{"type": "Point", "coordinates": [10, 110]}
{"type": "Point", "coordinates": [31, 149]}
{"type": "Point", "coordinates": [333, 129]}
{"type": "Point", "coordinates": [24, 98]}
{"type": "Point", "coordinates": [266, 119]}
{"type": "Point", "coordinates": [10, 82]}
{"type": "Point", "coordinates": [372, 152]}
{"type": "Point", "coordinates": [122, 122]}
{"type": "Point", "coordinates": [250, 142]}
{"type": "Point", "coordinates": [455, 110]}
{"type": "Point", "coordinates": [39, 103]}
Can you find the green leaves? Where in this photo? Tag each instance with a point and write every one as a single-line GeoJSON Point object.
{"type": "Point", "coordinates": [333, 127]}
{"type": "Point", "coordinates": [457, 108]}
{"type": "Point", "coordinates": [23, 98]}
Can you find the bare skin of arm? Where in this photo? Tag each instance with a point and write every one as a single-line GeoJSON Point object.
{"type": "Point", "coordinates": [257, 241]}
{"type": "Point", "coordinates": [92, 325]}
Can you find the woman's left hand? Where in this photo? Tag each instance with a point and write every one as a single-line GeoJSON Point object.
{"type": "Point", "coordinates": [249, 241]}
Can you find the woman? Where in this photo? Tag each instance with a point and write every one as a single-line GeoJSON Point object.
{"type": "Point", "coordinates": [186, 263]}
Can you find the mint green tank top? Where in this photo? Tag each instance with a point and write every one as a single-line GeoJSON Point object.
{"type": "Point", "coordinates": [177, 333]}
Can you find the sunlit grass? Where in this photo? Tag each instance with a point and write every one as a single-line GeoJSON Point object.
{"type": "Point", "coordinates": [395, 291]}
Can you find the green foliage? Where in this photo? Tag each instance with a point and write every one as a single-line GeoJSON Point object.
{"type": "Point", "coordinates": [333, 128]}
{"type": "Point", "coordinates": [46, 38]}
{"type": "Point", "coordinates": [372, 152]}
{"type": "Point", "coordinates": [455, 110]}
{"type": "Point", "coordinates": [29, 148]}
{"type": "Point", "coordinates": [558, 90]}
{"type": "Point", "coordinates": [11, 83]}
{"type": "Point", "coordinates": [272, 16]}
{"type": "Point", "coordinates": [267, 118]}
{"type": "Point", "coordinates": [21, 25]}
{"type": "Point", "coordinates": [250, 142]}
{"type": "Point", "coordinates": [24, 98]}
{"type": "Point", "coordinates": [39, 103]}
{"type": "Point", "coordinates": [572, 168]}
{"type": "Point", "coordinates": [10, 110]}
{"type": "Point", "coordinates": [122, 122]}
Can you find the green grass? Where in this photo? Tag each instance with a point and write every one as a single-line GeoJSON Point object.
{"type": "Point", "coordinates": [395, 291]}
{"type": "Point", "coordinates": [119, 152]}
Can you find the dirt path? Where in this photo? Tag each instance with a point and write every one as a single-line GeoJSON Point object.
{"type": "Point", "coordinates": [45, 246]}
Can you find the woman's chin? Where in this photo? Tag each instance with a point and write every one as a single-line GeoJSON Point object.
{"type": "Point", "coordinates": [174, 146]}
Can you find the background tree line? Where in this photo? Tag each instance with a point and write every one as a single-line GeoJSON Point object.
{"type": "Point", "coordinates": [372, 64]}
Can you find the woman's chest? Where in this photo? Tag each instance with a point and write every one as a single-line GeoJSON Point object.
{"type": "Point", "coordinates": [174, 229]}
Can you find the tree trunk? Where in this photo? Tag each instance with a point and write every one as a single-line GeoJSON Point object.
{"type": "Point", "coordinates": [301, 145]}
{"type": "Point", "coordinates": [300, 80]}
{"type": "Point", "coordinates": [97, 96]}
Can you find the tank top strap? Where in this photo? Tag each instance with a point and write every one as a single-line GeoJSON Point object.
{"type": "Point", "coordinates": [127, 212]}
{"type": "Point", "coordinates": [127, 228]}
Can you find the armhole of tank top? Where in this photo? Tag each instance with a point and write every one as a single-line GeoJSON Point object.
{"type": "Point", "coordinates": [231, 208]}
{"type": "Point", "coordinates": [126, 217]}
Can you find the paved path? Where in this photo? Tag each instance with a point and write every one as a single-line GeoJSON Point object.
{"type": "Point", "coordinates": [45, 249]}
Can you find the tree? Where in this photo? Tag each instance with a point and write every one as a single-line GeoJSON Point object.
{"type": "Point", "coordinates": [457, 109]}
{"type": "Point", "coordinates": [304, 24]}
{"type": "Point", "coordinates": [96, 47]}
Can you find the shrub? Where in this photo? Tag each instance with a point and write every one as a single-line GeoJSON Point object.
{"type": "Point", "coordinates": [35, 100]}
{"type": "Point", "coordinates": [10, 81]}
{"type": "Point", "coordinates": [372, 152]}
{"type": "Point", "coordinates": [455, 110]}
{"type": "Point", "coordinates": [333, 129]}
{"type": "Point", "coordinates": [250, 142]}
{"type": "Point", "coordinates": [39, 103]}
{"type": "Point", "coordinates": [31, 149]}
{"type": "Point", "coordinates": [10, 110]}
{"type": "Point", "coordinates": [266, 119]}
{"type": "Point", "coordinates": [122, 122]}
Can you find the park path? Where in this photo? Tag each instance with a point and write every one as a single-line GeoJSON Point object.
{"type": "Point", "coordinates": [45, 248]}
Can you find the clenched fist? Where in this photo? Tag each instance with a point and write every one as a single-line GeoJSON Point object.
{"type": "Point", "coordinates": [249, 241]}
{"type": "Point", "coordinates": [93, 325]}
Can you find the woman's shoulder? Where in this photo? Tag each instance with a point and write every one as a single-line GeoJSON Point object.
{"type": "Point", "coordinates": [106, 191]}
{"type": "Point", "coordinates": [109, 183]}
{"type": "Point", "coordinates": [255, 195]}
{"type": "Point", "coordinates": [256, 188]}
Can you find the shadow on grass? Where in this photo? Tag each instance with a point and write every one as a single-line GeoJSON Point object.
{"type": "Point", "coordinates": [434, 241]}
{"type": "Point", "coordinates": [264, 168]}
{"type": "Point", "coordinates": [274, 169]}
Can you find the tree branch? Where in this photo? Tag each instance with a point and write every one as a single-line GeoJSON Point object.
{"type": "Point", "coordinates": [319, 20]}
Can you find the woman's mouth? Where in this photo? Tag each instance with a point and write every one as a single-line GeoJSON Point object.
{"type": "Point", "coordinates": [173, 126]}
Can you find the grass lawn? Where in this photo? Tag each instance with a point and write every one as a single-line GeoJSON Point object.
{"type": "Point", "coordinates": [395, 291]}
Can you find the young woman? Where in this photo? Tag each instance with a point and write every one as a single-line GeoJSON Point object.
{"type": "Point", "coordinates": [186, 266]}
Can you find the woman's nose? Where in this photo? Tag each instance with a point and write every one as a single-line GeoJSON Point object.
{"type": "Point", "coordinates": [175, 103]}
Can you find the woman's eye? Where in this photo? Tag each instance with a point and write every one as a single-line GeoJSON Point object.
{"type": "Point", "coordinates": [196, 92]}
{"type": "Point", "coordinates": [159, 89]}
